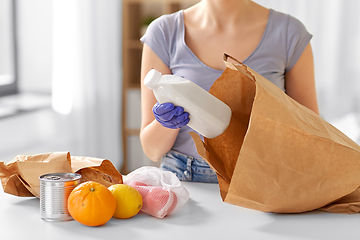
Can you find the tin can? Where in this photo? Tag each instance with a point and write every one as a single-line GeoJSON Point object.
{"type": "Point", "coordinates": [55, 189]}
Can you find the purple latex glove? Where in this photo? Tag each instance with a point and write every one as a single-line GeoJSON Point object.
{"type": "Point", "coordinates": [170, 116]}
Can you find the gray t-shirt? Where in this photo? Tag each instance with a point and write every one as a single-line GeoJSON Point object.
{"type": "Point", "coordinates": [282, 43]}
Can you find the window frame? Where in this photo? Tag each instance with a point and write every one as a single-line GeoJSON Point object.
{"type": "Point", "coordinates": [12, 88]}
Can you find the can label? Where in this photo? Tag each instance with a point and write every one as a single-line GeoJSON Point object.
{"type": "Point", "coordinates": [55, 189]}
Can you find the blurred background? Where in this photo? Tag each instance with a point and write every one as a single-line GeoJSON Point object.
{"type": "Point", "coordinates": [64, 68]}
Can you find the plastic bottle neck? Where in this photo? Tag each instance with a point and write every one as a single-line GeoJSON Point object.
{"type": "Point", "coordinates": [152, 78]}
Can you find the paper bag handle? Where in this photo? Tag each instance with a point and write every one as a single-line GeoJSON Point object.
{"type": "Point", "coordinates": [240, 67]}
{"type": "Point", "coordinates": [226, 56]}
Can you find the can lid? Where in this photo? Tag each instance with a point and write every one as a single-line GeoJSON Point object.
{"type": "Point", "coordinates": [60, 177]}
{"type": "Point", "coordinates": [50, 177]}
{"type": "Point", "coordinates": [152, 78]}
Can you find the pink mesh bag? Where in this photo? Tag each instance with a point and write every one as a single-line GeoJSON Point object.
{"type": "Point", "coordinates": [161, 190]}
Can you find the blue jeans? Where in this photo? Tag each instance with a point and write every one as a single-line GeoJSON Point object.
{"type": "Point", "coordinates": [188, 168]}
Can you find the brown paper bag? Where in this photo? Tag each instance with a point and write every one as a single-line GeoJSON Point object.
{"type": "Point", "coordinates": [277, 155]}
{"type": "Point", "coordinates": [96, 169]}
{"type": "Point", "coordinates": [20, 177]}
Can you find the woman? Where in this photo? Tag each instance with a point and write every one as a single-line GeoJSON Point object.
{"type": "Point", "coordinates": [191, 43]}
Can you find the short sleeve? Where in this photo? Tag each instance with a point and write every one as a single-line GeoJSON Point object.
{"type": "Point", "coordinates": [296, 41]}
{"type": "Point", "coordinates": [157, 38]}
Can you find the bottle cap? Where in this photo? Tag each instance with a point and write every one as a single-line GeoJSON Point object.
{"type": "Point", "coordinates": [152, 78]}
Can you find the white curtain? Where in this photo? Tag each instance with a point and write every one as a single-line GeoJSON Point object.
{"type": "Point", "coordinates": [87, 75]}
{"type": "Point", "coordinates": [335, 25]}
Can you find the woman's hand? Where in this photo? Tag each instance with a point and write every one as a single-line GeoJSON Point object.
{"type": "Point", "coordinates": [170, 116]}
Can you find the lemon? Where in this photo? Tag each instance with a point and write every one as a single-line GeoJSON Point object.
{"type": "Point", "coordinates": [128, 200]}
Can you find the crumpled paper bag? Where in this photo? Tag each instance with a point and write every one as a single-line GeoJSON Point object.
{"type": "Point", "coordinates": [20, 177]}
{"type": "Point", "coordinates": [277, 155]}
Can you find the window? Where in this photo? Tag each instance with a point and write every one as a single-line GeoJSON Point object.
{"type": "Point", "coordinates": [8, 77]}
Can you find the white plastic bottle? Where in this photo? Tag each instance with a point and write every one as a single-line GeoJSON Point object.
{"type": "Point", "coordinates": [208, 115]}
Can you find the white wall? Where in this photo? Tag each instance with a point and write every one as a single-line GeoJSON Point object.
{"type": "Point", "coordinates": [34, 23]}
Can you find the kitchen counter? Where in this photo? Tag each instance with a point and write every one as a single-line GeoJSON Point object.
{"type": "Point", "coordinates": [204, 216]}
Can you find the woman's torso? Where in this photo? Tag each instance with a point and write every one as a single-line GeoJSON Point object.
{"type": "Point", "coordinates": [275, 53]}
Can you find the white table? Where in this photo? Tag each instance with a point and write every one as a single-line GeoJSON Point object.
{"type": "Point", "coordinates": [205, 216]}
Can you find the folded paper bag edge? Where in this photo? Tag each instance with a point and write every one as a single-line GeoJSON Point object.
{"type": "Point", "coordinates": [15, 186]}
{"type": "Point", "coordinates": [11, 182]}
{"type": "Point", "coordinates": [201, 148]}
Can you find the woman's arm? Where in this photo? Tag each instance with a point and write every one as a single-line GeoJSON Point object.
{"type": "Point", "coordinates": [300, 81]}
{"type": "Point", "coordinates": [156, 140]}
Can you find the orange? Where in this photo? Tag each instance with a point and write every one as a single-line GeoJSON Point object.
{"type": "Point", "coordinates": [91, 204]}
{"type": "Point", "coordinates": [128, 200]}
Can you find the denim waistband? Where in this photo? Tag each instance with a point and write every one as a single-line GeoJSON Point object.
{"type": "Point", "coordinates": [188, 168]}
